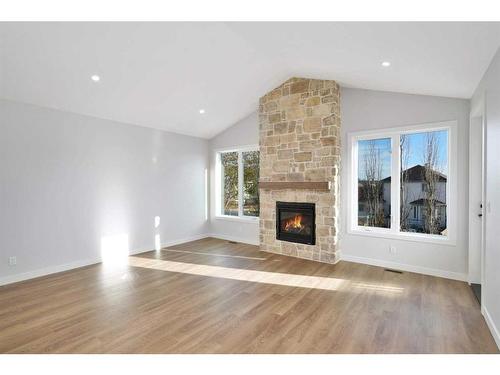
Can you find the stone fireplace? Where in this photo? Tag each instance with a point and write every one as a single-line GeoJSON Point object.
{"type": "Point", "coordinates": [299, 168]}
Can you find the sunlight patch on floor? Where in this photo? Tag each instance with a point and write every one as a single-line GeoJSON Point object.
{"type": "Point", "coordinates": [265, 277]}
{"type": "Point", "coordinates": [213, 254]}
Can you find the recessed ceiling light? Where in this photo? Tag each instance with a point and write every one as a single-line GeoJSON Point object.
{"type": "Point", "coordinates": [95, 78]}
{"type": "Point", "coordinates": [386, 64]}
{"type": "Point", "coordinates": [202, 111]}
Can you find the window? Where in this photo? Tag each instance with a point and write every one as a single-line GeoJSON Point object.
{"type": "Point", "coordinates": [402, 182]}
{"type": "Point", "coordinates": [229, 162]}
{"type": "Point", "coordinates": [424, 161]}
{"type": "Point", "coordinates": [250, 183]}
{"type": "Point", "coordinates": [374, 182]}
{"type": "Point", "coordinates": [238, 187]}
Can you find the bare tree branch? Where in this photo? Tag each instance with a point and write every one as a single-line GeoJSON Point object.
{"type": "Point", "coordinates": [373, 185]}
{"type": "Point", "coordinates": [431, 179]}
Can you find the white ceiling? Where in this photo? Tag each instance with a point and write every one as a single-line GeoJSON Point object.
{"type": "Point", "coordinates": [160, 74]}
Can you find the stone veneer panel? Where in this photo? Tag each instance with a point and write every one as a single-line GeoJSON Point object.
{"type": "Point", "coordinates": [300, 141]}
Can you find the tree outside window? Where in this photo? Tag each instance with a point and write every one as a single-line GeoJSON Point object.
{"type": "Point", "coordinates": [240, 183]}
{"type": "Point", "coordinates": [229, 162]}
{"type": "Point", "coordinates": [251, 183]}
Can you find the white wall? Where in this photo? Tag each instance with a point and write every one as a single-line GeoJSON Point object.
{"type": "Point", "coordinates": [66, 181]}
{"type": "Point", "coordinates": [369, 110]}
{"type": "Point", "coordinates": [244, 132]}
{"type": "Point", "coordinates": [488, 94]}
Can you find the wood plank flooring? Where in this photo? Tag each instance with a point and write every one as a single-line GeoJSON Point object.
{"type": "Point", "coordinates": [211, 296]}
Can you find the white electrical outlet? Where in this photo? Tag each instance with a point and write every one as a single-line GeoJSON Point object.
{"type": "Point", "coordinates": [392, 249]}
{"type": "Point", "coordinates": [12, 261]}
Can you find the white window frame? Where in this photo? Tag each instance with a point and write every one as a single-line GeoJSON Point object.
{"type": "Point", "coordinates": [219, 184]}
{"type": "Point", "coordinates": [394, 231]}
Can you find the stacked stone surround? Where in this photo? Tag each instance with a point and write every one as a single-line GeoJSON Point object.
{"type": "Point", "coordinates": [299, 141]}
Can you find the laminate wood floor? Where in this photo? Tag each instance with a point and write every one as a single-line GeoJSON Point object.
{"type": "Point", "coordinates": [212, 296]}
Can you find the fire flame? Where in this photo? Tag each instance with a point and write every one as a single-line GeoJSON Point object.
{"type": "Point", "coordinates": [294, 223]}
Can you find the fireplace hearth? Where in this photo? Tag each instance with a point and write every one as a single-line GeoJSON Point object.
{"type": "Point", "coordinates": [295, 222]}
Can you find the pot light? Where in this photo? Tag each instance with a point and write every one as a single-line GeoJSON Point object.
{"type": "Point", "coordinates": [95, 78]}
{"type": "Point", "coordinates": [386, 64]}
{"type": "Point", "coordinates": [202, 111]}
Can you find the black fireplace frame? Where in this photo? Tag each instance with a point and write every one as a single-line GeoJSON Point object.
{"type": "Point", "coordinates": [306, 208]}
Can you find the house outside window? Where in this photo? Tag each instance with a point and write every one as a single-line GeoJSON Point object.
{"type": "Point", "coordinates": [404, 181]}
{"type": "Point", "coordinates": [237, 188]}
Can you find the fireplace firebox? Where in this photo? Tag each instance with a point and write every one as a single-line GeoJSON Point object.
{"type": "Point", "coordinates": [295, 222]}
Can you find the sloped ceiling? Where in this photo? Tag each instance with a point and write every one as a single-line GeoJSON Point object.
{"type": "Point", "coordinates": [160, 75]}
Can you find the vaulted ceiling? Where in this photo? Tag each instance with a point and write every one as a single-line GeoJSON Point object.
{"type": "Point", "coordinates": [160, 75]}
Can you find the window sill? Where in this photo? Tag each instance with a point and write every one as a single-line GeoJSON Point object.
{"type": "Point", "coordinates": [240, 219]}
{"type": "Point", "coordinates": [414, 237]}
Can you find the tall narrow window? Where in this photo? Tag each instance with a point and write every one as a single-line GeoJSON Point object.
{"type": "Point", "coordinates": [423, 184]}
{"type": "Point", "coordinates": [238, 183]}
{"type": "Point", "coordinates": [374, 182]}
{"type": "Point", "coordinates": [229, 163]}
{"type": "Point", "coordinates": [251, 183]}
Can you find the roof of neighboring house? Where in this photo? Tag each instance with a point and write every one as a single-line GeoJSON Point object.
{"type": "Point", "coordinates": [417, 173]}
{"type": "Point", "coordinates": [421, 201]}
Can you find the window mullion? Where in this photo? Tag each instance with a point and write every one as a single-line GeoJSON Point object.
{"type": "Point", "coordinates": [395, 186]}
{"type": "Point", "coordinates": [354, 181]}
{"type": "Point", "coordinates": [240, 183]}
{"type": "Point", "coordinates": [219, 178]}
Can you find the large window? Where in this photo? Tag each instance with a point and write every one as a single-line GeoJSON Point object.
{"type": "Point", "coordinates": [238, 186]}
{"type": "Point", "coordinates": [401, 181]}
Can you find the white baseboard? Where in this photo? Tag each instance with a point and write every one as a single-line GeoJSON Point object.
{"type": "Point", "coordinates": [491, 325]}
{"type": "Point", "coordinates": [46, 271]}
{"type": "Point", "coordinates": [82, 263]}
{"type": "Point", "coordinates": [234, 238]}
{"type": "Point", "coordinates": [405, 267]}
{"type": "Point", "coordinates": [184, 240]}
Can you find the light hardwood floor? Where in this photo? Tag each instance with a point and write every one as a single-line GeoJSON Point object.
{"type": "Point", "coordinates": [211, 296]}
